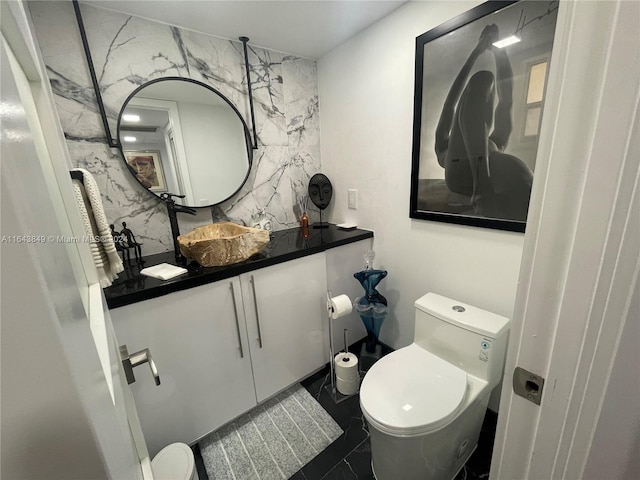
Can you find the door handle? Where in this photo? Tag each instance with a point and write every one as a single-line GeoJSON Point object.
{"type": "Point", "coordinates": [133, 360]}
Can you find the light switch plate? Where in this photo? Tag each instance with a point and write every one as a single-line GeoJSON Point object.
{"type": "Point", "coordinates": [352, 201]}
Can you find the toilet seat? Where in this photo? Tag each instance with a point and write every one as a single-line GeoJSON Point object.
{"type": "Point", "coordinates": [411, 392]}
{"type": "Point", "coordinates": [174, 462]}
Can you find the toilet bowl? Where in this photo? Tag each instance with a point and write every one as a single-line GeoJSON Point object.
{"type": "Point", "coordinates": [174, 462]}
{"type": "Point", "coordinates": [425, 403]}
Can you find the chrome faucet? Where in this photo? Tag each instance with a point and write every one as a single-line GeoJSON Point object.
{"type": "Point", "coordinates": [173, 209]}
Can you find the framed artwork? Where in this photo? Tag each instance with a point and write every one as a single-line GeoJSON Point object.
{"type": "Point", "coordinates": [480, 84]}
{"type": "Point", "coordinates": [146, 165]}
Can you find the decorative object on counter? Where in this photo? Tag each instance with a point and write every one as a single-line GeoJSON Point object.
{"type": "Point", "coordinates": [173, 209]}
{"type": "Point", "coordinates": [320, 192]}
{"type": "Point", "coordinates": [372, 307]}
{"type": "Point", "coordinates": [163, 271]}
{"type": "Point", "coordinates": [261, 220]}
{"type": "Point", "coordinates": [221, 244]}
{"type": "Point", "coordinates": [303, 201]}
{"type": "Point", "coordinates": [337, 307]}
{"type": "Point", "coordinates": [131, 242]}
{"type": "Point", "coordinates": [118, 241]}
{"type": "Point", "coordinates": [96, 226]}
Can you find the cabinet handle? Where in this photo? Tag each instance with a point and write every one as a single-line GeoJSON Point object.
{"type": "Point", "coordinates": [235, 309]}
{"type": "Point", "coordinates": [255, 302]}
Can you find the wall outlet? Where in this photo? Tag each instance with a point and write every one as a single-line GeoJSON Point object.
{"type": "Point", "coordinates": [352, 201]}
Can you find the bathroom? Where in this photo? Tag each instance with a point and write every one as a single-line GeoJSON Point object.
{"type": "Point", "coordinates": [363, 141]}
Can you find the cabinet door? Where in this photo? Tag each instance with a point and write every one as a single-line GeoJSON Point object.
{"type": "Point", "coordinates": [198, 341]}
{"type": "Point", "coordinates": [286, 321]}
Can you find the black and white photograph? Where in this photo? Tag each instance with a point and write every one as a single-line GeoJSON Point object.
{"type": "Point", "coordinates": [480, 86]}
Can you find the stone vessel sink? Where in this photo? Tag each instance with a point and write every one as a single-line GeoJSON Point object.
{"type": "Point", "coordinates": [220, 244]}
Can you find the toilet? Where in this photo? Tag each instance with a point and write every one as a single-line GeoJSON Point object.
{"type": "Point", "coordinates": [174, 462]}
{"type": "Point", "coordinates": [425, 403]}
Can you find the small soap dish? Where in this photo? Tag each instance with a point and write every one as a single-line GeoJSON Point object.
{"type": "Point", "coordinates": [346, 226]}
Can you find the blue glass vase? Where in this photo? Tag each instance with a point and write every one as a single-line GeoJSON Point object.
{"type": "Point", "coordinates": [372, 307]}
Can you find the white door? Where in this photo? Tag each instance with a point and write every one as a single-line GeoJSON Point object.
{"type": "Point", "coordinates": [574, 315]}
{"type": "Point", "coordinates": [66, 412]}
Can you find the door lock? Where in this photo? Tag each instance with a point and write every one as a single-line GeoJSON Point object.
{"type": "Point", "coordinates": [133, 360]}
{"type": "Point", "coordinates": [528, 385]}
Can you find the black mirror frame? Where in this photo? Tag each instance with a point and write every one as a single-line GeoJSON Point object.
{"type": "Point", "coordinates": [247, 133]}
{"type": "Point", "coordinates": [253, 144]}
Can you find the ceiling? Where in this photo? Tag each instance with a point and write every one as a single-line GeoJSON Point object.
{"type": "Point", "coordinates": [307, 28]}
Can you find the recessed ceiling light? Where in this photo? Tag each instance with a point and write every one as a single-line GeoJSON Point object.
{"type": "Point", "coordinates": [130, 139]}
{"type": "Point", "coordinates": [130, 117]}
{"type": "Point", "coordinates": [505, 42]}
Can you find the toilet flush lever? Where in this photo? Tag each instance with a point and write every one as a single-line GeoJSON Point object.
{"type": "Point", "coordinates": [133, 360]}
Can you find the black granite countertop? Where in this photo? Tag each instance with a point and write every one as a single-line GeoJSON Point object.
{"type": "Point", "coordinates": [285, 245]}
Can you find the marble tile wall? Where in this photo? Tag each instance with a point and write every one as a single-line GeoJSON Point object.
{"type": "Point", "coordinates": [128, 51]}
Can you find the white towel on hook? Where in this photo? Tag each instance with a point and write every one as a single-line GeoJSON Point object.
{"type": "Point", "coordinates": [96, 227]}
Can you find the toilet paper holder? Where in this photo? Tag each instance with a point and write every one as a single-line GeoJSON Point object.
{"type": "Point", "coordinates": [336, 308]}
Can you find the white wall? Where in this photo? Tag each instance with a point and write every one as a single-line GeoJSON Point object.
{"type": "Point", "coordinates": [342, 263]}
{"type": "Point", "coordinates": [216, 150]}
{"type": "Point", "coordinates": [366, 102]}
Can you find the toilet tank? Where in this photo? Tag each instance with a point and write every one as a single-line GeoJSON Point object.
{"type": "Point", "coordinates": [470, 338]}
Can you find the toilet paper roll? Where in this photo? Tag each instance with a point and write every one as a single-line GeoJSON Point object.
{"type": "Point", "coordinates": [347, 388]}
{"type": "Point", "coordinates": [340, 306]}
{"type": "Point", "coordinates": [346, 365]}
{"type": "Point", "coordinates": [347, 375]}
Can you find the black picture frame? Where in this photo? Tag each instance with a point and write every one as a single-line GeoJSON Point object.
{"type": "Point", "coordinates": [452, 125]}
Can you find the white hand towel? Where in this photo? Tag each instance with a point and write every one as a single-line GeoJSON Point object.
{"type": "Point", "coordinates": [96, 227]}
{"type": "Point", "coordinates": [163, 271]}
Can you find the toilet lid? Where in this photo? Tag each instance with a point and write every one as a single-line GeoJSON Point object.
{"type": "Point", "coordinates": [411, 391]}
{"type": "Point", "coordinates": [173, 462]}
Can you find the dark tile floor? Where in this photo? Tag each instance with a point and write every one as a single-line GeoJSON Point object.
{"type": "Point", "coordinates": [349, 457]}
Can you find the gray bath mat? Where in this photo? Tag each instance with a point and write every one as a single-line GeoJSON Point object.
{"type": "Point", "coordinates": [272, 441]}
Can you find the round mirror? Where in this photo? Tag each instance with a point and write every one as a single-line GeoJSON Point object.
{"type": "Point", "coordinates": [183, 137]}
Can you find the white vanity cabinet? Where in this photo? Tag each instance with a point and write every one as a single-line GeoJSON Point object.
{"type": "Point", "coordinates": [286, 313]}
{"type": "Point", "coordinates": [217, 359]}
{"type": "Point", "coordinates": [194, 337]}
